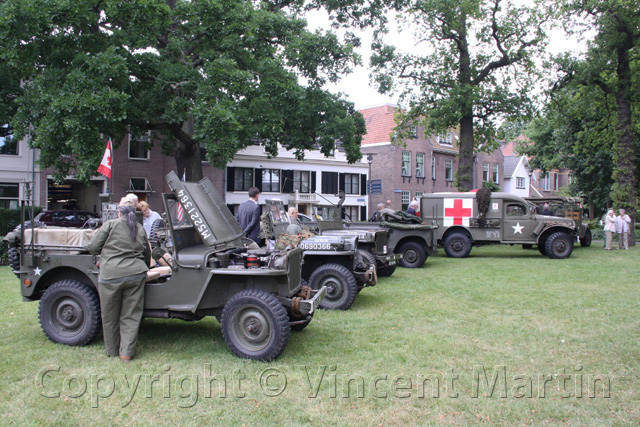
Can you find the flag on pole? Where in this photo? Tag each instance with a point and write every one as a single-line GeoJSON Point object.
{"type": "Point", "coordinates": [105, 164]}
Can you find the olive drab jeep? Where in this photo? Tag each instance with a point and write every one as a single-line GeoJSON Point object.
{"type": "Point", "coordinates": [394, 239]}
{"type": "Point", "coordinates": [207, 267]}
{"type": "Point", "coordinates": [466, 220]}
{"type": "Point", "coordinates": [566, 207]}
{"type": "Point", "coordinates": [334, 262]}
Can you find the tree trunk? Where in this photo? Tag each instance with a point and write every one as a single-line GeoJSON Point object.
{"type": "Point", "coordinates": [465, 166]}
{"type": "Point", "coordinates": [187, 153]}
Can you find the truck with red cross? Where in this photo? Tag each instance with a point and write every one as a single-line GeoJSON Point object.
{"type": "Point", "coordinates": [476, 219]}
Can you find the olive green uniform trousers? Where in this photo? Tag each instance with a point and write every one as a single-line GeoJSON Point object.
{"type": "Point", "coordinates": [121, 303]}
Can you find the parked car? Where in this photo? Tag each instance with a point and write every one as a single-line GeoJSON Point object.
{"type": "Point", "coordinates": [65, 218]}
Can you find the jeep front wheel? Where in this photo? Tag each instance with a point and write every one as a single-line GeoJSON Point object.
{"type": "Point", "coordinates": [255, 325]}
{"type": "Point", "coordinates": [559, 245]}
{"type": "Point", "coordinates": [457, 245]}
{"type": "Point", "coordinates": [413, 255]}
{"type": "Point", "coordinates": [70, 313]}
{"type": "Point", "coordinates": [341, 286]}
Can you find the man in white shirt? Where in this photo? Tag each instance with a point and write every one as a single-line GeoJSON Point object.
{"type": "Point", "coordinates": [622, 228]}
{"type": "Point", "coordinates": [148, 216]}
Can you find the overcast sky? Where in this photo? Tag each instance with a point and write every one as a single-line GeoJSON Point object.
{"type": "Point", "coordinates": [356, 86]}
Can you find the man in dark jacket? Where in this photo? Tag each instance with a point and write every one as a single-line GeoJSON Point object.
{"type": "Point", "coordinates": [248, 215]}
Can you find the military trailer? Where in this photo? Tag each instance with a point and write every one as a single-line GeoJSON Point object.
{"type": "Point", "coordinates": [566, 207]}
{"type": "Point", "coordinates": [408, 237]}
{"type": "Point", "coordinates": [505, 218]}
{"type": "Point", "coordinates": [211, 269]}
{"type": "Point", "coordinates": [334, 262]}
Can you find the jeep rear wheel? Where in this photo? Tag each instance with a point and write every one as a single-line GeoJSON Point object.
{"type": "Point", "coordinates": [457, 245]}
{"type": "Point", "coordinates": [413, 255]}
{"type": "Point", "coordinates": [255, 325]}
{"type": "Point", "coordinates": [341, 286]}
{"type": "Point", "coordinates": [559, 245]}
{"type": "Point", "coordinates": [585, 242]}
{"type": "Point", "coordinates": [70, 313]}
{"type": "Point", "coordinates": [367, 258]}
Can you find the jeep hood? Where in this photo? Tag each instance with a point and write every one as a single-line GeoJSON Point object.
{"type": "Point", "coordinates": [200, 200]}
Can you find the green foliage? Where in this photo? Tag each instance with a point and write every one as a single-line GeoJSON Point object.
{"type": "Point", "coordinates": [220, 73]}
{"type": "Point", "coordinates": [492, 186]}
{"type": "Point", "coordinates": [470, 70]}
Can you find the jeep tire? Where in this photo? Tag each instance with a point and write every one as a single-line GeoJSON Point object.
{"type": "Point", "coordinates": [341, 286]}
{"type": "Point", "coordinates": [457, 245]}
{"type": "Point", "coordinates": [585, 242]}
{"type": "Point", "coordinates": [255, 325]}
{"type": "Point", "coordinates": [69, 313]}
{"type": "Point", "coordinates": [559, 245]}
{"type": "Point", "coordinates": [413, 255]}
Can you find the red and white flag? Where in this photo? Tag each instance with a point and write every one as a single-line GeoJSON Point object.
{"type": "Point", "coordinates": [457, 212]}
{"type": "Point", "coordinates": [105, 164]}
{"type": "Point", "coordinates": [180, 212]}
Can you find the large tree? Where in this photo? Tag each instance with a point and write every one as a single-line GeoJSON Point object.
{"type": "Point", "coordinates": [213, 73]}
{"type": "Point", "coordinates": [468, 70]}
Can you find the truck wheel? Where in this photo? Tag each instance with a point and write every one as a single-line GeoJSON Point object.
{"type": "Point", "coordinates": [413, 255]}
{"type": "Point", "coordinates": [542, 247]}
{"type": "Point", "coordinates": [527, 246]}
{"type": "Point", "coordinates": [341, 286]}
{"type": "Point", "coordinates": [585, 242]}
{"type": "Point", "coordinates": [13, 256]}
{"type": "Point", "coordinates": [300, 326]}
{"type": "Point", "coordinates": [255, 325]}
{"type": "Point", "coordinates": [69, 313]}
{"type": "Point", "coordinates": [387, 270]}
{"type": "Point", "coordinates": [457, 245]}
{"type": "Point", "coordinates": [559, 245]}
{"type": "Point", "coordinates": [367, 257]}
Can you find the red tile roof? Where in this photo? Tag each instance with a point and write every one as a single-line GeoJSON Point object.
{"type": "Point", "coordinates": [380, 123]}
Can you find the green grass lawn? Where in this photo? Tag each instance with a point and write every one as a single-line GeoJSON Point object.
{"type": "Point", "coordinates": [504, 337]}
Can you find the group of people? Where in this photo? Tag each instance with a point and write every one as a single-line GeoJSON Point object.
{"type": "Point", "coordinates": [385, 209]}
{"type": "Point", "coordinates": [619, 225]}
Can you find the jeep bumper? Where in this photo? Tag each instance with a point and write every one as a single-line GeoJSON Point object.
{"type": "Point", "coordinates": [308, 306]}
{"type": "Point", "coordinates": [388, 260]}
{"type": "Point", "coordinates": [368, 277]}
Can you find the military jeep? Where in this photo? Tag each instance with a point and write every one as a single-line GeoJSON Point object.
{"type": "Point", "coordinates": [334, 262]}
{"type": "Point", "coordinates": [211, 269]}
{"type": "Point", "coordinates": [495, 218]}
{"type": "Point", "coordinates": [407, 237]}
{"type": "Point", "coordinates": [566, 207]}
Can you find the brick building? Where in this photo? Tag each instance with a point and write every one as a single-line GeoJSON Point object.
{"type": "Point", "coordinates": [426, 164]}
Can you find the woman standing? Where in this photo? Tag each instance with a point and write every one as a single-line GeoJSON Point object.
{"type": "Point", "coordinates": [609, 228]}
{"type": "Point", "coordinates": [124, 258]}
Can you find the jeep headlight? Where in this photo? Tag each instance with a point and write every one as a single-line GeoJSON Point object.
{"type": "Point", "coordinates": [385, 249]}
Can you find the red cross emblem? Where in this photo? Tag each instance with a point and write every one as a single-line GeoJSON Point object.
{"type": "Point", "coordinates": [457, 211]}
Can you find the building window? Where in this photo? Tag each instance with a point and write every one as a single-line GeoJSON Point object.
{"type": "Point", "coordinates": [139, 185]}
{"type": "Point", "coordinates": [330, 182]}
{"type": "Point", "coordinates": [351, 183]}
{"type": "Point", "coordinates": [495, 173]}
{"type": "Point", "coordinates": [301, 181]}
{"type": "Point", "coordinates": [406, 163]}
{"type": "Point", "coordinates": [351, 212]}
{"type": "Point", "coordinates": [138, 148]}
{"type": "Point", "coordinates": [203, 153]}
{"type": "Point", "coordinates": [555, 181]}
{"type": "Point", "coordinates": [9, 195]}
{"type": "Point", "coordinates": [419, 195]}
{"type": "Point", "coordinates": [242, 179]}
{"type": "Point", "coordinates": [520, 182]}
{"type": "Point", "coordinates": [8, 144]}
{"type": "Point", "coordinates": [444, 139]}
{"type": "Point", "coordinates": [420, 165]}
{"type": "Point", "coordinates": [485, 172]}
{"type": "Point", "coordinates": [413, 131]}
{"type": "Point", "coordinates": [433, 167]}
{"type": "Point", "coordinates": [406, 198]}
{"type": "Point", "coordinates": [545, 182]}
{"type": "Point", "coordinates": [271, 180]}
{"type": "Point", "coordinates": [448, 170]}
{"type": "Point", "coordinates": [570, 178]}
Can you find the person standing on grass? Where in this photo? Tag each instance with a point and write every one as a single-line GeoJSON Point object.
{"type": "Point", "coordinates": [609, 228]}
{"type": "Point", "coordinates": [622, 228]}
{"type": "Point", "coordinates": [248, 215]}
{"type": "Point", "coordinates": [125, 255]}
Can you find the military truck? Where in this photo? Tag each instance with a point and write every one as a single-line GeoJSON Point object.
{"type": "Point", "coordinates": [211, 269]}
{"type": "Point", "coordinates": [334, 262]}
{"type": "Point", "coordinates": [566, 207]}
{"type": "Point", "coordinates": [466, 221]}
{"type": "Point", "coordinates": [408, 238]}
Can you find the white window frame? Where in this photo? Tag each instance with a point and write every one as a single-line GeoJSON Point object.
{"type": "Point", "coordinates": [433, 167]}
{"type": "Point", "coordinates": [271, 182]}
{"type": "Point", "coordinates": [147, 186]}
{"type": "Point", "coordinates": [298, 181]}
{"type": "Point", "coordinates": [354, 186]}
{"type": "Point", "coordinates": [448, 169]}
{"type": "Point", "coordinates": [545, 182]}
{"type": "Point", "coordinates": [556, 181]}
{"type": "Point", "coordinates": [406, 163]}
{"type": "Point", "coordinates": [406, 198]}
{"type": "Point", "coordinates": [445, 139]}
{"type": "Point", "coordinates": [485, 172]}
{"type": "Point", "coordinates": [7, 140]}
{"type": "Point", "coordinates": [419, 165]}
{"type": "Point", "coordinates": [496, 172]}
{"type": "Point", "coordinates": [520, 182]}
{"type": "Point", "coordinates": [144, 139]}
{"type": "Point", "coordinates": [11, 200]}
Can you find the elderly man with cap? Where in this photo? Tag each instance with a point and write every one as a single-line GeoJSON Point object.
{"type": "Point", "coordinates": [124, 258]}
